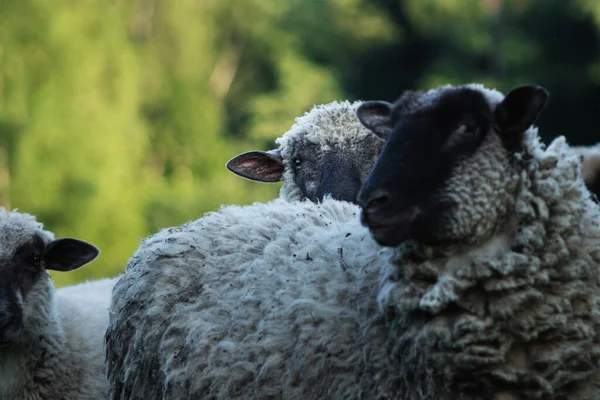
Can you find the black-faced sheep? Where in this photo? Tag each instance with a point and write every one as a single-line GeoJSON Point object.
{"type": "Point", "coordinates": [51, 342]}
{"type": "Point", "coordinates": [326, 152]}
{"type": "Point", "coordinates": [491, 290]}
{"type": "Point", "coordinates": [494, 288]}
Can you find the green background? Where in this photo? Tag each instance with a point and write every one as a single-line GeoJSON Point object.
{"type": "Point", "coordinates": [117, 116]}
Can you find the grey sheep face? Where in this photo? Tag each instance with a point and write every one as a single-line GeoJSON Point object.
{"type": "Point", "coordinates": [445, 173]}
{"type": "Point", "coordinates": [326, 152]}
{"type": "Point", "coordinates": [25, 255]}
{"type": "Point", "coordinates": [338, 171]}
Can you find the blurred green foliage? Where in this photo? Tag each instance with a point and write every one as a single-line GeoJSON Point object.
{"type": "Point", "coordinates": [116, 117]}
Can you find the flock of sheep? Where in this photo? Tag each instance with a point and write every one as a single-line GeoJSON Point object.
{"type": "Point", "coordinates": [432, 248]}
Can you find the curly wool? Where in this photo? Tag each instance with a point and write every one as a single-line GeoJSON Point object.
{"type": "Point", "coordinates": [16, 228]}
{"type": "Point", "coordinates": [328, 125]}
{"type": "Point", "coordinates": [511, 315]}
{"type": "Point", "coordinates": [59, 352]}
{"type": "Point", "coordinates": [518, 317]}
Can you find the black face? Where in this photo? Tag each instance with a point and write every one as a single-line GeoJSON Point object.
{"type": "Point", "coordinates": [19, 273]}
{"type": "Point", "coordinates": [23, 268]}
{"type": "Point", "coordinates": [403, 196]}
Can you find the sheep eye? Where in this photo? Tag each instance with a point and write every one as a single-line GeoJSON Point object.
{"type": "Point", "coordinates": [37, 259]}
{"type": "Point", "coordinates": [297, 161]}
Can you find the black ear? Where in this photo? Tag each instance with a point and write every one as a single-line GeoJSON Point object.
{"type": "Point", "coordinates": [68, 254]}
{"type": "Point", "coordinates": [377, 117]}
{"type": "Point", "coordinates": [258, 165]}
{"type": "Point", "coordinates": [520, 108]}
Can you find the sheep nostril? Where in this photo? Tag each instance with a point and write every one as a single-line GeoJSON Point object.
{"type": "Point", "coordinates": [376, 201]}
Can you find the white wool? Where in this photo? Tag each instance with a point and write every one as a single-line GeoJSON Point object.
{"type": "Point", "coordinates": [16, 228]}
{"type": "Point", "coordinates": [218, 284]}
{"type": "Point", "coordinates": [331, 124]}
{"type": "Point", "coordinates": [296, 301]}
{"type": "Point", "coordinates": [289, 190]}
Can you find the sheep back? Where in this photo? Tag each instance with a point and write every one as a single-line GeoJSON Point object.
{"type": "Point", "coordinates": [248, 302]}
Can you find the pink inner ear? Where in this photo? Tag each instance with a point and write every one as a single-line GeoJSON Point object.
{"type": "Point", "coordinates": [247, 163]}
{"type": "Point", "coordinates": [269, 172]}
{"type": "Point", "coordinates": [258, 168]}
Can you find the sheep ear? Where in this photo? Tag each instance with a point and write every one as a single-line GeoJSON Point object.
{"type": "Point", "coordinates": [262, 166]}
{"type": "Point", "coordinates": [377, 117]}
{"type": "Point", "coordinates": [68, 254]}
{"type": "Point", "coordinates": [520, 108]}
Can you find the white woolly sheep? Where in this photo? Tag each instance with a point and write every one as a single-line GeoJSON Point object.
{"type": "Point", "coordinates": [326, 152]}
{"type": "Point", "coordinates": [51, 342]}
{"type": "Point", "coordinates": [192, 294]}
{"type": "Point", "coordinates": [489, 291]}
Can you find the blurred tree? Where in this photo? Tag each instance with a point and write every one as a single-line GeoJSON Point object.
{"type": "Point", "coordinates": [501, 43]}
{"type": "Point", "coordinates": [117, 117]}
{"type": "Point", "coordinates": [77, 157]}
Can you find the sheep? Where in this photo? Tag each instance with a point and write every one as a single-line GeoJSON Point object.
{"type": "Point", "coordinates": [590, 166]}
{"type": "Point", "coordinates": [326, 151]}
{"type": "Point", "coordinates": [480, 282]}
{"type": "Point", "coordinates": [193, 314]}
{"type": "Point", "coordinates": [50, 341]}
{"type": "Point", "coordinates": [493, 280]}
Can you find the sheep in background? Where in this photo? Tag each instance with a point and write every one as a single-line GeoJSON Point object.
{"type": "Point", "coordinates": [50, 342]}
{"type": "Point", "coordinates": [490, 291]}
{"type": "Point", "coordinates": [326, 151]}
{"type": "Point", "coordinates": [590, 166]}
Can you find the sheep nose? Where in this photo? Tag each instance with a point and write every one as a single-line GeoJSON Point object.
{"type": "Point", "coordinates": [374, 202]}
{"type": "Point", "coordinates": [10, 326]}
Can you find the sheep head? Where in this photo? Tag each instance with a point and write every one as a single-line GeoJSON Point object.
{"type": "Point", "coordinates": [326, 152]}
{"type": "Point", "coordinates": [26, 253]}
{"type": "Point", "coordinates": [446, 174]}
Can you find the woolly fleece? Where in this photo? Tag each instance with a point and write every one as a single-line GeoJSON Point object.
{"type": "Point", "coordinates": [513, 314]}
{"type": "Point", "coordinates": [59, 353]}
{"type": "Point", "coordinates": [287, 315]}
{"type": "Point", "coordinates": [226, 306]}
